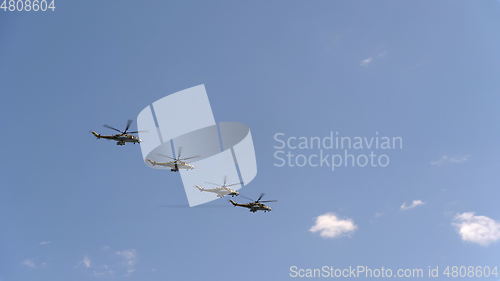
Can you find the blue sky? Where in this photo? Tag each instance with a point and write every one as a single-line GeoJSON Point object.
{"type": "Point", "coordinates": [73, 208]}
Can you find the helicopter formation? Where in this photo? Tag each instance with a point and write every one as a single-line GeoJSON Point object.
{"type": "Point", "coordinates": [177, 163]}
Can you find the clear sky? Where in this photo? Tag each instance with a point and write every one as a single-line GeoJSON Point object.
{"type": "Point", "coordinates": [76, 208]}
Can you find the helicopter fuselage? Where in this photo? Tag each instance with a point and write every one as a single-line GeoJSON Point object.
{"type": "Point", "coordinates": [174, 166]}
{"type": "Point", "coordinates": [120, 139]}
{"type": "Point", "coordinates": [220, 191]}
{"type": "Point", "coordinates": [253, 206]}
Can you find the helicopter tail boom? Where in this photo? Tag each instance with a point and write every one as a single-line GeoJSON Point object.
{"type": "Point", "coordinates": [96, 134]}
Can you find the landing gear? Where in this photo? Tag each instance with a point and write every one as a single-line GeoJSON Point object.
{"type": "Point", "coordinates": [120, 143]}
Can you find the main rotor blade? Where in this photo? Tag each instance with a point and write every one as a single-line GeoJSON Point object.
{"type": "Point", "coordinates": [265, 201]}
{"type": "Point", "coordinates": [260, 197]}
{"type": "Point", "coordinates": [163, 155]}
{"type": "Point", "coordinates": [233, 184]}
{"type": "Point", "coordinates": [212, 183]}
{"type": "Point", "coordinates": [248, 198]}
{"type": "Point", "coordinates": [179, 152]}
{"type": "Point", "coordinates": [196, 207]}
{"type": "Point", "coordinates": [109, 127]}
{"type": "Point", "coordinates": [129, 122]}
{"type": "Point", "coordinates": [225, 180]}
{"type": "Point", "coordinates": [135, 132]}
{"type": "Point", "coordinates": [196, 156]}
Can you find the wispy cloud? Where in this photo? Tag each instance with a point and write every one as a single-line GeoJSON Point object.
{"type": "Point", "coordinates": [445, 159]}
{"type": "Point", "coordinates": [481, 230]}
{"type": "Point", "coordinates": [45, 243]}
{"type": "Point", "coordinates": [366, 62]}
{"type": "Point", "coordinates": [32, 264]}
{"type": "Point", "coordinates": [111, 264]}
{"type": "Point", "coordinates": [330, 226]}
{"type": "Point", "coordinates": [412, 205]}
{"type": "Point", "coordinates": [104, 271]}
{"type": "Point", "coordinates": [86, 262]}
{"type": "Point", "coordinates": [129, 258]}
{"type": "Point", "coordinates": [29, 263]}
{"type": "Point", "coordinates": [369, 60]}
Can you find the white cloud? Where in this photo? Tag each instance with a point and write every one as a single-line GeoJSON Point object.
{"type": "Point", "coordinates": [412, 205]}
{"type": "Point", "coordinates": [86, 262]}
{"type": "Point", "coordinates": [111, 263]}
{"type": "Point", "coordinates": [29, 263]}
{"type": "Point", "coordinates": [445, 159]}
{"type": "Point", "coordinates": [481, 230]}
{"type": "Point", "coordinates": [45, 243]}
{"type": "Point", "coordinates": [369, 60]}
{"type": "Point", "coordinates": [330, 226]}
{"type": "Point", "coordinates": [366, 61]}
{"type": "Point", "coordinates": [129, 258]}
{"type": "Point", "coordinates": [129, 255]}
{"type": "Point", "coordinates": [104, 271]}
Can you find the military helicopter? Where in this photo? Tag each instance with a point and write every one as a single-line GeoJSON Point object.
{"type": "Point", "coordinates": [220, 190]}
{"type": "Point", "coordinates": [256, 205]}
{"type": "Point", "coordinates": [123, 136]}
{"type": "Point", "coordinates": [176, 164]}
